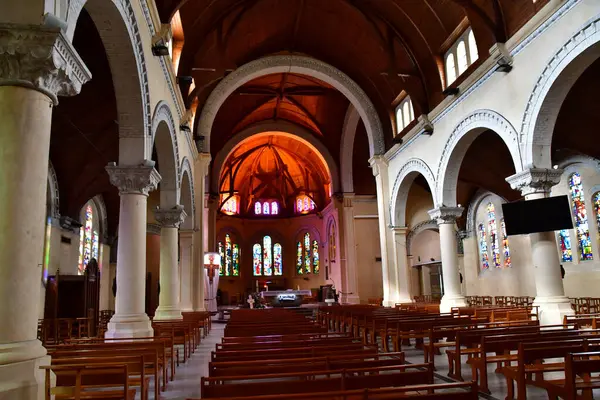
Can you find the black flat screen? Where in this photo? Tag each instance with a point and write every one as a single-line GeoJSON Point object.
{"type": "Point", "coordinates": [541, 215]}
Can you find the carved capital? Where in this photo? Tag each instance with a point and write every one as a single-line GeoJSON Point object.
{"type": "Point", "coordinates": [40, 58]}
{"type": "Point", "coordinates": [140, 179]}
{"type": "Point", "coordinates": [445, 215]}
{"type": "Point", "coordinates": [378, 163]}
{"type": "Point", "coordinates": [535, 180]}
{"type": "Point", "coordinates": [170, 217]}
{"type": "Point", "coordinates": [153, 229]}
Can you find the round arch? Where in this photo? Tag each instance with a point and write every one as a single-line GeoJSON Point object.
{"type": "Point", "coordinates": [478, 198]}
{"type": "Point", "coordinates": [299, 65]}
{"type": "Point", "coordinates": [429, 225]}
{"type": "Point", "coordinates": [164, 138]}
{"type": "Point", "coordinates": [283, 128]}
{"type": "Point", "coordinates": [119, 31]}
{"type": "Point", "coordinates": [186, 195]}
{"type": "Point", "coordinates": [404, 180]}
{"type": "Point", "coordinates": [351, 121]}
{"type": "Point", "coordinates": [52, 193]}
{"type": "Point", "coordinates": [459, 142]}
{"type": "Point", "coordinates": [551, 89]}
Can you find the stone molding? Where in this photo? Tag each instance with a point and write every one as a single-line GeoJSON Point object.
{"type": "Point", "coordinates": [186, 167]}
{"type": "Point", "coordinates": [581, 40]}
{"type": "Point", "coordinates": [418, 228]}
{"type": "Point", "coordinates": [535, 180]}
{"type": "Point", "coordinates": [377, 164]}
{"type": "Point", "coordinates": [40, 58]}
{"type": "Point", "coordinates": [162, 113]}
{"type": "Point", "coordinates": [351, 120]}
{"type": "Point", "coordinates": [170, 217]}
{"type": "Point", "coordinates": [140, 179]}
{"type": "Point", "coordinates": [479, 119]}
{"type": "Point", "coordinates": [54, 192]}
{"type": "Point", "coordinates": [295, 64]}
{"type": "Point", "coordinates": [153, 229]}
{"type": "Point", "coordinates": [400, 189]}
{"type": "Point", "coordinates": [445, 215]}
{"type": "Point", "coordinates": [479, 196]}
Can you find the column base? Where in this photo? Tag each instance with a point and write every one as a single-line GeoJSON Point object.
{"type": "Point", "coordinates": [349, 299]}
{"type": "Point", "coordinates": [187, 309]}
{"type": "Point", "coordinates": [129, 326]}
{"type": "Point", "coordinates": [553, 309]}
{"type": "Point", "coordinates": [167, 313]}
{"type": "Point", "coordinates": [448, 302]}
{"type": "Point", "coordinates": [20, 373]}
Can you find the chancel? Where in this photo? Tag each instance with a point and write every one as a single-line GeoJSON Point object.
{"type": "Point", "coordinates": [295, 187]}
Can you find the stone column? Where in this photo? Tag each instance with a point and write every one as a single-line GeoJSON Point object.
{"type": "Point", "coordinates": [389, 273]}
{"type": "Point", "coordinates": [36, 65]}
{"type": "Point", "coordinates": [134, 184]}
{"type": "Point", "coordinates": [348, 252]}
{"type": "Point", "coordinates": [168, 301]}
{"type": "Point", "coordinates": [535, 183]}
{"type": "Point", "coordinates": [446, 219]}
{"type": "Point", "coordinates": [401, 265]}
{"type": "Point", "coordinates": [186, 264]}
{"type": "Point", "coordinates": [201, 170]}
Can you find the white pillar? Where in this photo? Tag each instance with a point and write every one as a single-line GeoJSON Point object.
{"type": "Point", "coordinates": [36, 65]}
{"type": "Point", "coordinates": [185, 262]}
{"type": "Point", "coordinates": [201, 169]}
{"type": "Point", "coordinates": [349, 293]}
{"type": "Point", "coordinates": [389, 273]}
{"type": "Point", "coordinates": [535, 183]}
{"type": "Point", "coordinates": [403, 269]}
{"type": "Point", "coordinates": [134, 183]}
{"type": "Point", "coordinates": [446, 219]}
{"type": "Point", "coordinates": [168, 301]}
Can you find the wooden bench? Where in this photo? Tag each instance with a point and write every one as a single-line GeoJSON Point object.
{"type": "Point", "coordinates": [316, 381]}
{"type": "Point", "coordinates": [73, 382]}
{"type": "Point", "coordinates": [578, 370]}
{"type": "Point", "coordinates": [292, 352]}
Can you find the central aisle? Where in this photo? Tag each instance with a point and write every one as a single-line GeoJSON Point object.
{"type": "Point", "coordinates": [187, 378]}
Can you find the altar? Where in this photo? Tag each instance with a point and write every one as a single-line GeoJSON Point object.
{"type": "Point", "coordinates": [285, 298]}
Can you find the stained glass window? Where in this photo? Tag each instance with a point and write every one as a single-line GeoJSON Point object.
{"type": "Point", "coordinates": [267, 256]}
{"type": "Point", "coordinates": [493, 233]}
{"type": "Point", "coordinates": [88, 244]}
{"type": "Point", "coordinates": [307, 264]}
{"type": "Point", "coordinates": [483, 248]}
{"type": "Point", "coordinates": [257, 259]}
{"type": "Point", "coordinates": [47, 245]}
{"type": "Point", "coordinates": [266, 208]}
{"type": "Point", "coordinates": [230, 205]}
{"type": "Point", "coordinates": [258, 208]}
{"type": "Point", "coordinates": [304, 204]}
{"type": "Point", "coordinates": [235, 265]}
{"type": "Point", "coordinates": [564, 241]}
{"type": "Point", "coordinates": [277, 259]}
{"type": "Point", "coordinates": [505, 247]}
{"type": "Point", "coordinates": [581, 221]}
{"type": "Point", "coordinates": [221, 251]}
{"type": "Point", "coordinates": [315, 255]}
{"type": "Point", "coordinates": [299, 264]}
{"type": "Point", "coordinates": [596, 199]}
{"type": "Point", "coordinates": [274, 208]}
{"type": "Point", "coordinates": [230, 257]}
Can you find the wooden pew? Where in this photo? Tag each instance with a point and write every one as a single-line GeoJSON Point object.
{"type": "Point", "coordinates": [75, 377]}
{"type": "Point", "coordinates": [578, 370]}
{"type": "Point", "coordinates": [291, 352]}
{"type": "Point", "coordinates": [317, 381]}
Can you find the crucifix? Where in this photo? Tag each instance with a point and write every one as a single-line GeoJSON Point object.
{"type": "Point", "coordinates": [212, 262]}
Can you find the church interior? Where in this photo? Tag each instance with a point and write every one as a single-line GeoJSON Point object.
{"type": "Point", "coordinates": [316, 199]}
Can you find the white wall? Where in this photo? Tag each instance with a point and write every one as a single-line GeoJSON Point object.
{"type": "Point", "coordinates": [368, 248]}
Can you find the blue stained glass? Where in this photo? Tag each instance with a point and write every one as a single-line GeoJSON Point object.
{"type": "Point", "coordinates": [564, 241]}
{"type": "Point", "coordinates": [483, 248]}
{"type": "Point", "coordinates": [493, 232]}
{"type": "Point", "coordinates": [581, 221]}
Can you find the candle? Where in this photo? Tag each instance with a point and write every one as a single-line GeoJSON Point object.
{"type": "Point", "coordinates": [298, 287]}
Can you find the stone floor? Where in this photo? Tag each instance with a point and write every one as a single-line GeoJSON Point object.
{"type": "Point", "coordinates": [187, 379]}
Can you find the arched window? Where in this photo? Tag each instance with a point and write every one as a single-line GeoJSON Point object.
{"type": "Point", "coordinates": [404, 114]}
{"type": "Point", "coordinates": [450, 69]}
{"type": "Point", "coordinates": [483, 248]}
{"type": "Point", "coordinates": [461, 57]}
{"type": "Point", "coordinates": [493, 233]}
{"type": "Point", "coordinates": [274, 208]}
{"type": "Point", "coordinates": [473, 54]}
{"type": "Point", "coordinates": [307, 256]}
{"type": "Point", "coordinates": [596, 200]}
{"type": "Point", "coordinates": [267, 258]}
{"type": "Point", "coordinates": [399, 120]}
{"type": "Point", "coordinates": [564, 241]}
{"type": "Point", "coordinates": [258, 208]}
{"type": "Point", "coordinates": [230, 204]}
{"type": "Point", "coordinates": [88, 237]}
{"type": "Point", "coordinates": [230, 257]}
{"type": "Point", "coordinates": [505, 247]}
{"type": "Point", "coordinates": [581, 221]}
{"type": "Point", "coordinates": [266, 208]}
{"type": "Point", "coordinates": [304, 204]}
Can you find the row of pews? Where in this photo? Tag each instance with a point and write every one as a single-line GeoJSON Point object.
{"type": "Point", "coordinates": [278, 354]}
{"type": "Point", "coordinates": [562, 359]}
{"type": "Point", "coordinates": [102, 368]}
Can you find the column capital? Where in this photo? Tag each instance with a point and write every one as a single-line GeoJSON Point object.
{"type": "Point", "coordinates": [348, 200]}
{"type": "Point", "coordinates": [203, 162]}
{"type": "Point", "coordinates": [445, 215]}
{"type": "Point", "coordinates": [40, 58]}
{"type": "Point", "coordinates": [170, 217]}
{"type": "Point", "coordinates": [134, 179]}
{"type": "Point", "coordinates": [535, 180]}
{"type": "Point", "coordinates": [378, 162]}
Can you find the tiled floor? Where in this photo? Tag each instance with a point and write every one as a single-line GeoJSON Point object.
{"type": "Point", "coordinates": [187, 379]}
